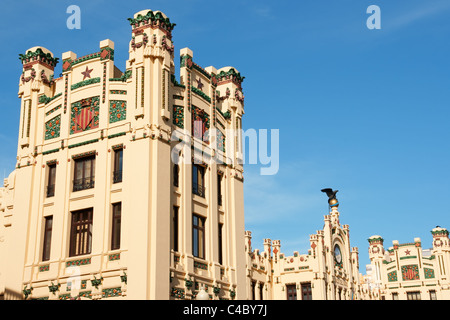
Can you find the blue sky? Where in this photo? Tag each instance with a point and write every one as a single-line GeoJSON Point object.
{"type": "Point", "coordinates": [362, 111]}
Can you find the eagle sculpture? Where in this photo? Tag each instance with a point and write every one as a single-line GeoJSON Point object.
{"type": "Point", "coordinates": [331, 194]}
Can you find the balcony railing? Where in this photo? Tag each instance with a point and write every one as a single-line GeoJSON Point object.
{"type": "Point", "coordinates": [82, 184]}
{"type": "Point", "coordinates": [117, 176]}
{"type": "Point", "coordinates": [198, 190]}
{"type": "Point", "coordinates": [50, 190]}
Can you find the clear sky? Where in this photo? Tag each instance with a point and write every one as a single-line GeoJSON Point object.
{"type": "Point", "coordinates": [362, 111]}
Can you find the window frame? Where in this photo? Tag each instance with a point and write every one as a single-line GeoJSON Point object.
{"type": "Point", "coordinates": [198, 249]}
{"type": "Point", "coordinates": [219, 189]}
{"type": "Point", "coordinates": [291, 291]}
{"type": "Point", "coordinates": [220, 240]}
{"type": "Point", "coordinates": [47, 241]}
{"type": "Point", "coordinates": [118, 165]}
{"type": "Point", "coordinates": [414, 295]}
{"type": "Point", "coordinates": [91, 177]}
{"type": "Point", "coordinates": [306, 290]}
{"type": "Point", "coordinates": [85, 233]}
{"type": "Point", "coordinates": [176, 175]}
{"type": "Point", "coordinates": [175, 225]}
{"type": "Point", "coordinates": [51, 180]}
{"type": "Point", "coordinates": [116, 223]}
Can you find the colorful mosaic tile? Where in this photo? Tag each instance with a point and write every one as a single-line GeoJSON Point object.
{"type": "Point", "coordinates": [44, 268]}
{"type": "Point", "coordinates": [392, 276]}
{"type": "Point", "coordinates": [200, 123]}
{"type": "Point", "coordinates": [85, 115]}
{"type": "Point", "coordinates": [118, 91]}
{"type": "Point", "coordinates": [177, 293]}
{"type": "Point", "coordinates": [220, 141]}
{"type": "Point", "coordinates": [53, 128]}
{"type": "Point", "coordinates": [200, 265]}
{"type": "Point", "coordinates": [410, 272]}
{"type": "Point", "coordinates": [80, 262]}
{"type": "Point", "coordinates": [114, 257]}
{"type": "Point", "coordinates": [178, 116]}
{"type": "Point", "coordinates": [117, 110]}
{"type": "Point", "coordinates": [429, 273]}
{"type": "Point", "coordinates": [53, 110]}
{"type": "Point", "coordinates": [112, 292]}
{"type": "Point", "coordinates": [85, 294]}
{"type": "Point", "coordinates": [65, 296]}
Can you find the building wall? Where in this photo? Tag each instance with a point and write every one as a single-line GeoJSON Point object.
{"type": "Point", "coordinates": [408, 268]}
{"type": "Point", "coordinates": [147, 112]}
{"type": "Point", "coordinates": [319, 268]}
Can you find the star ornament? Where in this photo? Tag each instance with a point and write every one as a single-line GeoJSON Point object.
{"type": "Point", "coordinates": [407, 252]}
{"type": "Point", "coordinates": [199, 84]}
{"type": "Point", "coordinates": [87, 73]}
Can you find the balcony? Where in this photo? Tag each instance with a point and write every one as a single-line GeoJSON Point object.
{"type": "Point", "coordinates": [198, 190]}
{"type": "Point", "coordinates": [50, 190]}
{"type": "Point", "coordinates": [117, 176]}
{"type": "Point", "coordinates": [83, 184]}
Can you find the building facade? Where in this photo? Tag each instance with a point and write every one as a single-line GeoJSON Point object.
{"type": "Point", "coordinates": [329, 271]}
{"type": "Point", "coordinates": [126, 183]}
{"type": "Point", "coordinates": [409, 272]}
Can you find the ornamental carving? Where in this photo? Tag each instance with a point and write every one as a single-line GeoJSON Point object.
{"type": "Point", "coordinates": [117, 110]}
{"type": "Point", "coordinates": [85, 115]}
{"type": "Point", "coordinates": [410, 272]}
{"type": "Point", "coordinates": [53, 128]}
{"type": "Point", "coordinates": [178, 116]}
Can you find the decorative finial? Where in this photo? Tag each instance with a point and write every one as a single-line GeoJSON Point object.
{"type": "Point", "coordinates": [332, 201]}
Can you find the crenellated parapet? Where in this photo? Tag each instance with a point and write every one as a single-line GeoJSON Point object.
{"type": "Point", "coordinates": [151, 19]}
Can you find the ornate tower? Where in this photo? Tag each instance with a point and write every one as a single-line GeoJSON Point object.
{"type": "Point", "coordinates": [376, 255]}
{"type": "Point", "coordinates": [441, 251]}
{"type": "Point", "coordinates": [96, 186]}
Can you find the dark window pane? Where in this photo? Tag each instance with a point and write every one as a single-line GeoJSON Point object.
{"type": "Point", "coordinates": [47, 238]}
{"type": "Point", "coordinates": [118, 163]}
{"type": "Point", "coordinates": [81, 233]}
{"type": "Point", "coordinates": [84, 173]}
{"type": "Point", "coordinates": [116, 224]}
{"type": "Point", "coordinates": [175, 228]}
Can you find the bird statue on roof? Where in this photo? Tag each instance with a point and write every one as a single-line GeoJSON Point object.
{"type": "Point", "coordinates": [332, 201]}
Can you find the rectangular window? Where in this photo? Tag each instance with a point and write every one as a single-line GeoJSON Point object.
{"type": "Point", "coordinates": [84, 173]}
{"type": "Point", "coordinates": [175, 228]}
{"type": "Point", "coordinates": [253, 290]}
{"type": "Point", "coordinates": [219, 189]}
{"type": "Point", "coordinates": [81, 233]}
{"type": "Point", "coordinates": [433, 295]}
{"type": "Point", "coordinates": [116, 225]}
{"type": "Point", "coordinates": [51, 180]}
{"type": "Point", "coordinates": [198, 180]}
{"type": "Point", "coordinates": [47, 238]}
{"type": "Point", "coordinates": [220, 244]}
{"type": "Point", "coordinates": [291, 292]}
{"type": "Point", "coordinates": [394, 296]}
{"type": "Point", "coordinates": [176, 174]}
{"type": "Point", "coordinates": [261, 291]}
{"type": "Point", "coordinates": [198, 235]}
{"type": "Point", "coordinates": [118, 164]}
{"type": "Point", "coordinates": [306, 291]}
{"type": "Point", "coordinates": [414, 295]}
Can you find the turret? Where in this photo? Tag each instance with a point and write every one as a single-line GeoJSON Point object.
{"type": "Point", "coordinates": [376, 249]}
{"type": "Point", "coordinates": [151, 53]}
{"type": "Point", "coordinates": [268, 247]}
{"type": "Point", "coordinates": [36, 84]}
{"type": "Point", "coordinates": [440, 239]}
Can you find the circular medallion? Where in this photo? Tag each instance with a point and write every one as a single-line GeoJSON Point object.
{"type": "Point", "coordinates": [337, 254]}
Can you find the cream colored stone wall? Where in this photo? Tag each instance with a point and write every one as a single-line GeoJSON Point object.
{"type": "Point", "coordinates": [329, 279]}
{"type": "Point", "coordinates": [407, 268]}
{"type": "Point", "coordinates": [54, 129]}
